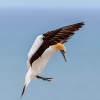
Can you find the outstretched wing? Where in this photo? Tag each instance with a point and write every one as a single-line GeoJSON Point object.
{"type": "Point", "coordinates": [60, 35]}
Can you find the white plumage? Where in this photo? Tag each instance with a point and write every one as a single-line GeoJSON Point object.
{"type": "Point", "coordinates": [44, 47]}
{"type": "Point", "coordinates": [40, 63]}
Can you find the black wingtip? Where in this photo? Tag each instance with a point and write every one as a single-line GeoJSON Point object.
{"type": "Point", "coordinates": [23, 91]}
{"type": "Point", "coordinates": [82, 23]}
{"type": "Point", "coordinates": [79, 24]}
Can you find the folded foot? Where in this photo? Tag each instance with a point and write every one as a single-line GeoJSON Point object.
{"type": "Point", "coordinates": [45, 79]}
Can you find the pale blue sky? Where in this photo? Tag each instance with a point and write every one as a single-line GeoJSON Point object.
{"type": "Point", "coordinates": [50, 3]}
{"type": "Point", "coordinates": [78, 78]}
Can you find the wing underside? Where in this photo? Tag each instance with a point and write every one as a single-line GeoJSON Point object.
{"type": "Point", "coordinates": [60, 35]}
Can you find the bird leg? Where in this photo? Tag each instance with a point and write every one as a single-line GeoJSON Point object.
{"type": "Point", "coordinates": [45, 79]}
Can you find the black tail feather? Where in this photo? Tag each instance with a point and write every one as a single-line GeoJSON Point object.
{"type": "Point", "coordinates": [23, 90]}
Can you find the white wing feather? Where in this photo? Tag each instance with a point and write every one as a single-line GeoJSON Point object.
{"type": "Point", "coordinates": [37, 43]}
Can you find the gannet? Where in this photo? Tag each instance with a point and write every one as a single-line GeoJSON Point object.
{"type": "Point", "coordinates": [44, 47]}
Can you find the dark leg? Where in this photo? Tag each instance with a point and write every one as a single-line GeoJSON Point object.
{"type": "Point", "coordinates": [45, 79]}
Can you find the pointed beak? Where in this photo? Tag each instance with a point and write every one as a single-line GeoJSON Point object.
{"type": "Point", "coordinates": [63, 54]}
{"type": "Point", "coordinates": [23, 90]}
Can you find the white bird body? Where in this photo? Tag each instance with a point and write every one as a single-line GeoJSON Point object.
{"type": "Point", "coordinates": [37, 43]}
{"type": "Point", "coordinates": [40, 63]}
{"type": "Point", "coordinates": [44, 47]}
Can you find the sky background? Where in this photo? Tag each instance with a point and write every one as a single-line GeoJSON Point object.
{"type": "Point", "coordinates": [20, 23]}
{"type": "Point", "coordinates": [49, 4]}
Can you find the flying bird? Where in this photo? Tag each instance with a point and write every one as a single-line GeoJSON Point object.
{"type": "Point", "coordinates": [44, 47]}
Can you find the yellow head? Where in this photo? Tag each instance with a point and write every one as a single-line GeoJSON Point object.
{"type": "Point", "coordinates": [60, 46]}
{"type": "Point", "coordinates": [62, 49]}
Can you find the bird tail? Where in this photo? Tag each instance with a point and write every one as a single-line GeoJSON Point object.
{"type": "Point", "coordinates": [24, 88]}
{"type": "Point", "coordinates": [27, 81]}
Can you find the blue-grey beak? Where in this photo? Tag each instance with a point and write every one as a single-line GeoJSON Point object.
{"type": "Point", "coordinates": [63, 54]}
